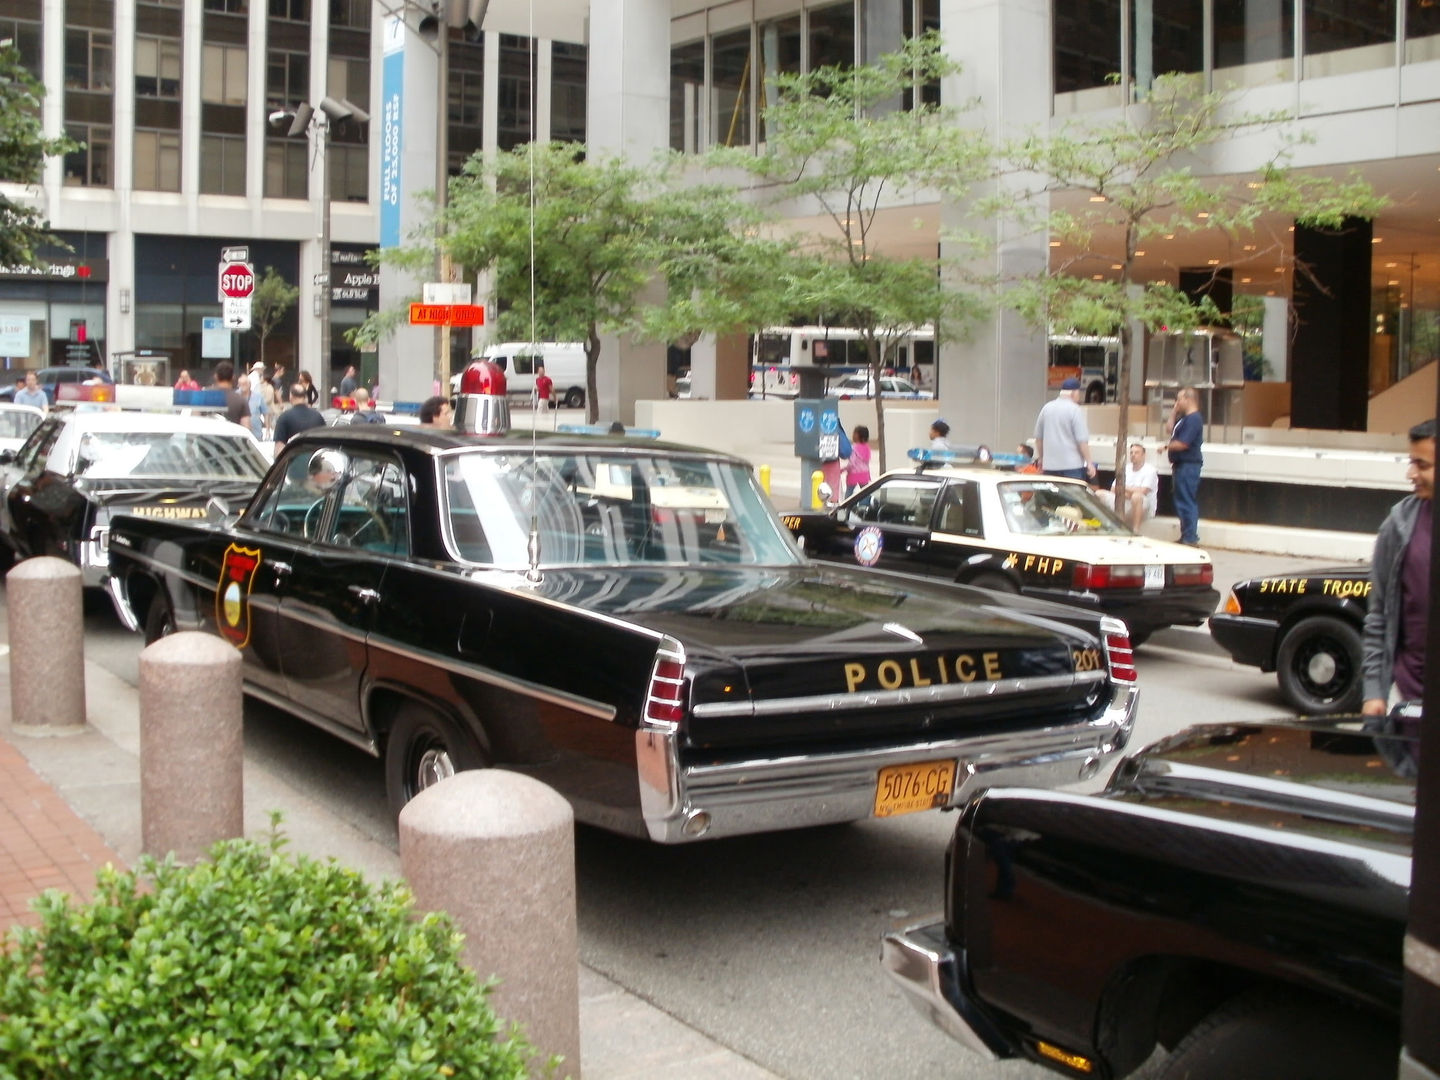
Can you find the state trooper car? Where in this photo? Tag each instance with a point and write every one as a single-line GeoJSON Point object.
{"type": "Point", "coordinates": [79, 469]}
{"type": "Point", "coordinates": [1041, 536]}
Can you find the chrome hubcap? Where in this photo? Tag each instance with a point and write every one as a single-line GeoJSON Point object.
{"type": "Point", "coordinates": [1321, 668]}
{"type": "Point", "coordinates": [434, 765]}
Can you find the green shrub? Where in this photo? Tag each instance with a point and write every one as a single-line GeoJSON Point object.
{"type": "Point", "coordinates": [253, 964]}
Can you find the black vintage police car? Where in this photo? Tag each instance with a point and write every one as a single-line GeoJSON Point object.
{"type": "Point", "coordinates": [1237, 897]}
{"type": "Point", "coordinates": [630, 623]}
{"type": "Point", "coordinates": [1306, 627]}
{"type": "Point", "coordinates": [1042, 536]}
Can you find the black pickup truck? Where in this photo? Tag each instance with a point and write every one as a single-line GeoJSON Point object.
{"type": "Point", "coordinates": [1231, 908]}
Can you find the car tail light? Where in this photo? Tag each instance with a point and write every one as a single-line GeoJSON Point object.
{"type": "Point", "coordinates": [1232, 604]}
{"type": "Point", "coordinates": [1085, 576]}
{"type": "Point", "coordinates": [665, 700]}
{"type": "Point", "coordinates": [1195, 574]}
{"type": "Point", "coordinates": [1118, 654]}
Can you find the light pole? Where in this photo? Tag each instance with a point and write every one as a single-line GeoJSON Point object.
{"type": "Point", "coordinates": [316, 121]}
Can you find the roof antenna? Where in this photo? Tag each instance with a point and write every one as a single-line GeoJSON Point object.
{"type": "Point", "coordinates": [533, 576]}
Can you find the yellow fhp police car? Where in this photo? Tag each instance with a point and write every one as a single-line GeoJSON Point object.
{"type": "Point", "coordinates": [1048, 537]}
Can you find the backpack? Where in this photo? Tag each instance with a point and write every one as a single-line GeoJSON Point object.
{"type": "Point", "coordinates": [845, 448]}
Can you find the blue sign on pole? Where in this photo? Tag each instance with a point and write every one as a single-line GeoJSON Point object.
{"type": "Point", "coordinates": [391, 129]}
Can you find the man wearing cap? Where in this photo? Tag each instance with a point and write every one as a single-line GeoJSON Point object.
{"type": "Point", "coordinates": [1062, 438]}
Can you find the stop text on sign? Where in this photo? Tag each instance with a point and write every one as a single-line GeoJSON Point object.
{"type": "Point", "coordinates": [237, 280]}
{"type": "Point", "coordinates": [447, 315]}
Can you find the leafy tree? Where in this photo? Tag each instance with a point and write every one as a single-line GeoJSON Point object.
{"type": "Point", "coordinates": [615, 248]}
{"type": "Point", "coordinates": [835, 138]}
{"type": "Point", "coordinates": [23, 150]}
{"type": "Point", "coordinates": [1129, 182]}
{"type": "Point", "coordinates": [272, 298]}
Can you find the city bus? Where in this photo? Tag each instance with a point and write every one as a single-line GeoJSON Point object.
{"type": "Point", "coordinates": [1095, 361]}
{"type": "Point", "coordinates": [778, 350]}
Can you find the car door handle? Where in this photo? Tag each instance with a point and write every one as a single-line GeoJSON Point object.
{"type": "Point", "coordinates": [365, 596]}
{"type": "Point", "coordinates": [914, 545]}
{"type": "Point", "coordinates": [281, 569]}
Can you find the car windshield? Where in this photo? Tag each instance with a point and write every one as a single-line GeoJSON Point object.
{"type": "Point", "coordinates": [18, 423]}
{"type": "Point", "coordinates": [607, 509]}
{"type": "Point", "coordinates": [1043, 507]}
{"type": "Point", "coordinates": [111, 454]}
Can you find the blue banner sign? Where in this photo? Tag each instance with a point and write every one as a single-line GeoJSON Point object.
{"type": "Point", "coordinates": [391, 130]}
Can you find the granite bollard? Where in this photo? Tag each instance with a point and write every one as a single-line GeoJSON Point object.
{"type": "Point", "coordinates": [192, 745]}
{"type": "Point", "coordinates": [47, 646]}
{"type": "Point", "coordinates": [496, 850]}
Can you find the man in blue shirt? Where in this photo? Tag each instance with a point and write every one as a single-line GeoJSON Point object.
{"type": "Point", "coordinates": [1187, 432]}
{"type": "Point", "coordinates": [32, 394]}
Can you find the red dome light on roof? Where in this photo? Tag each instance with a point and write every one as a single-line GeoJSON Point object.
{"type": "Point", "coordinates": [483, 377]}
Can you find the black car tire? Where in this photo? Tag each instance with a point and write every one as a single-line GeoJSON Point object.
{"type": "Point", "coordinates": [423, 747]}
{"type": "Point", "coordinates": [1313, 649]}
{"type": "Point", "coordinates": [1095, 394]}
{"type": "Point", "coordinates": [574, 398]}
{"type": "Point", "coordinates": [1269, 1035]}
{"type": "Point", "coordinates": [994, 582]}
{"type": "Point", "coordinates": [159, 619]}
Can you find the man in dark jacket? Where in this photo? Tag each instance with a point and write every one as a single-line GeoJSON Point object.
{"type": "Point", "coordinates": [237, 405]}
{"type": "Point", "coordinates": [1399, 605]}
{"type": "Point", "coordinates": [299, 417]}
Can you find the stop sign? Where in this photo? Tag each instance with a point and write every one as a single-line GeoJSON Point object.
{"type": "Point", "coordinates": [237, 280]}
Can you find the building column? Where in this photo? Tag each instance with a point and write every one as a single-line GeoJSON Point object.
{"type": "Point", "coordinates": [1330, 359]}
{"type": "Point", "coordinates": [628, 113]}
{"type": "Point", "coordinates": [993, 383]}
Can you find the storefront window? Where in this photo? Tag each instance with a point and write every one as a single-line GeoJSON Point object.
{"type": "Point", "coordinates": [1405, 312]}
{"type": "Point", "coordinates": [1087, 43]}
{"type": "Point", "coordinates": [687, 93]}
{"type": "Point", "coordinates": [832, 36]}
{"type": "Point", "coordinates": [1168, 36]}
{"type": "Point", "coordinates": [730, 91]}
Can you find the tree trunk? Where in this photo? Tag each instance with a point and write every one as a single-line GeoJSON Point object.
{"type": "Point", "coordinates": [592, 361]}
{"type": "Point", "coordinates": [1122, 435]}
{"type": "Point", "coordinates": [876, 366]}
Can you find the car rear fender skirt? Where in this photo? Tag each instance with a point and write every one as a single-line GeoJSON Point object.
{"type": "Point", "coordinates": [1158, 999]}
{"type": "Point", "coordinates": [383, 698]}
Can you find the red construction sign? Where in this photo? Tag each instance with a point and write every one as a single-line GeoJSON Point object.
{"type": "Point", "coordinates": [447, 315]}
{"type": "Point", "coordinates": [237, 280]}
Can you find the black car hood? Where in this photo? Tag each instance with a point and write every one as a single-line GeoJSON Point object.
{"type": "Point", "coordinates": [1326, 778]}
{"type": "Point", "coordinates": [1353, 570]}
{"type": "Point", "coordinates": [151, 495]}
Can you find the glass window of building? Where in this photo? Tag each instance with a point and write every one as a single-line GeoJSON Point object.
{"type": "Point", "coordinates": [1168, 36]}
{"type": "Point", "coordinates": [89, 59]}
{"type": "Point", "coordinates": [26, 37]}
{"type": "Point", "coordinates": [1405, 311]}
{"type": "Point", "coordinates": [349, 80]}
{"type": "Point", "coordinates": [924, 15]}
{"type": "Point", "coordinates": [157, 67]}
{"type": "Point", "coordinates": [513, 122]}
{"type": "Point", "coordinates": [1253, 32]}
{"type": "Point", "coordinates": [1087, 43]}
{"type": "Point", "coordinates": [832, 36]}
{"type": "Point", "coordinates": [157, 160]}
{"type": "Point", "coordinates": [730, 88]}
{"type": "Point", "coordinates": [466, 103]}
{"type": "Point", "coordinates": [222, 164]}
{"type": "Point", "coordinates": [352, 13]}
{"type": "Point", "coordinates": [568, 66]}
{"type": "Point", "coordinates": [88, 166]}
{"type": "Point", "coordinates": [287, 78]}
{"type": "Point", "coordinates": [687, 95]}
{"type": "Point", "coordinates": [781, 45]}
{"type": "Point", "coordinates": [290, 10]}
{"type": "Point", "coordinates": [229, 7]}
{"type": "Point", "coordinates": [1331, 25]}
{"type": "Point", "coordinates": [349, 173]}
{"type": "Point", "coordinates": [1422, 31]}
{"type": "Point", "coordinates": [287, 169]}
{"type": "Point", "coordinates": [224, 70]}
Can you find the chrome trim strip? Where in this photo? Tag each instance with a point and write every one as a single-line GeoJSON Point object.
{"type": "Point", "coordinates": [908, 696]}
{"type": "Point", "coordinates": [340, 731]}
{"type": "Point", "coordinates": [289, 610]}
{"type": "Point", "coordinates": [165, 568]}
{"type": "Point", "coordinates": [587, 706]}
{"type": "Point", "coordinates": [121, 603]}
{"type": "Point", "coordinates": [925, 968]}
{"type": "Point", "coordinates": [1178, 777]}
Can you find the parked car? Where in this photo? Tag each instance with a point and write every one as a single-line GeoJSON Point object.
{"type": "Point", "coordinates": [60, 491]}
{"type": "Point", "coordinates": [891, 386]}
{"type": "Point", "coordinates": [1042, 536]}
{"type": "Point", "coordinates": [16, 424]}
{"type": "Point", "coordinates": [627, 621]}
{"type": "Point", "coordinates": [1236, 897]}
{"type": "Point", "coordinates": [1306, 626]}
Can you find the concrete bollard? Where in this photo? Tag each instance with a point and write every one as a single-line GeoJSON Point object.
{"type": "Point", "coordinates": [192, 745]}
{"type": "Point", "coordinates": [496, 850]}
{"type": "Point", "coordinates": [47, 646]}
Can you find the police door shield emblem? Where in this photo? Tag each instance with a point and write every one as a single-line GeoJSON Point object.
{"type": "Point", "coordinates": [232, 594]}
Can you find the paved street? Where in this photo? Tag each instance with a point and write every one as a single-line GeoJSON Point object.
{"type": "Point", "coordinates": [766, 944]}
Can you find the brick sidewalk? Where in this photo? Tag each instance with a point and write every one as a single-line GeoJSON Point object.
{"type": "Point", "coordinates": [43, 843]}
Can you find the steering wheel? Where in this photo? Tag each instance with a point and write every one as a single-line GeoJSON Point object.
{"type": "Point", "coordinates": [380, 525]}
{"type": "Point", "coordinates": [305, 528]}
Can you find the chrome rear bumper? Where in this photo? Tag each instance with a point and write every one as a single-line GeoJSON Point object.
{"type": "Point", "coordinates": [691, 802]}
{"type": "Point", "coordinates": [929, 971]}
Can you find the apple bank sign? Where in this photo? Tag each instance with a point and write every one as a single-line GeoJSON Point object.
{"type": "Point", "coordinates": [392, 93]}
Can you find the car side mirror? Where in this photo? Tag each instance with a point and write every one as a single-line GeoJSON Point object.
{"type": "Point", "coordinates": [7, 457]}
{"type": "Point", "coordinates": [218, 512]}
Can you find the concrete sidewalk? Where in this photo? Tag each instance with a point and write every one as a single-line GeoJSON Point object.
{"type": "Point", "coordinates": [69, 804]}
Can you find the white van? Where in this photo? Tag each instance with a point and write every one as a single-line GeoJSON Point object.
{"type": "Point", "coordinates": [564, 362]}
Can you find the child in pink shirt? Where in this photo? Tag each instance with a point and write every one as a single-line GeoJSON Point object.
{"type": "Point", "coordinates": [857, 473]}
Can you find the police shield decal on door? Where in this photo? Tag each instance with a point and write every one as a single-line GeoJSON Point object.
{"type": "Point", "coordinates": [232, 595]}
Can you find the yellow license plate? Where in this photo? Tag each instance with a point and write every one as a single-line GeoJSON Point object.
{"type": "Point", "coordinates": [904, 789]}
